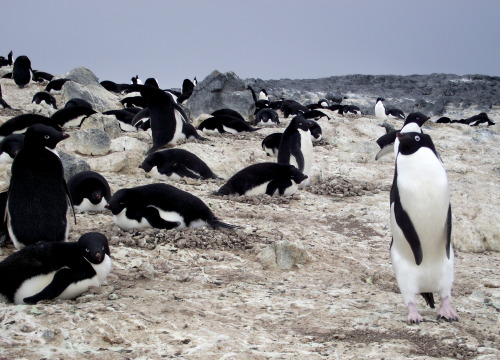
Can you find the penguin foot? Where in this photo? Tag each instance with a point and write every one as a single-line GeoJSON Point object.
{"type": "Point", "coordinates": [446, 312]}
{"type": "Point", "coordinates": [413, 316]}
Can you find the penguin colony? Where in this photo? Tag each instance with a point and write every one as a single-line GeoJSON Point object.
{"type": "Point", "coordinates": [421, 250]}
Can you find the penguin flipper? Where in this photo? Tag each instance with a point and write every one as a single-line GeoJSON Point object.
{"type": "Point", "coordinates": [183, 171]}
{"type": "Point", "coordinates": [387, 139]}
{"type": "Point", "coordinates": [448, 232]}
{"type": "Point", "coordinates": [152, 215]}
{"type": "Point", "coordinates": [406, 226]}
{"type": "Point", "coordinates": [388, 149]}
{"type": "Point", "coordinates": [62, 279]}
{"type": "Point", "coordinates": [272, 187]}
{"type": "Point", "coordinates": [70, 200]}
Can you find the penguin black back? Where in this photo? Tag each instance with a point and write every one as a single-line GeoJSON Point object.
{"type": "Point", "coordinates": [22, 72]}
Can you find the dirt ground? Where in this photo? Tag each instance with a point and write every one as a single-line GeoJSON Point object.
{"type": "Point", "coordinates": [203, 294]}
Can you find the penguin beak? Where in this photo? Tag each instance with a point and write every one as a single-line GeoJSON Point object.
{"type": "Point", "coordinates": [106, 206]}
{"type": "Point", "coordinates": [399, 136]}
{"type": "Point", "coordinates": [98, 256]}
{"type": "Point", "coordinates": [65, 136]}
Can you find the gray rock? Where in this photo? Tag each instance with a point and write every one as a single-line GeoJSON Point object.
{"type": "Point", "coordinates": [90, 142]}
{"type": "Point", "coordinates": [85, 85]}
{"type": "Point", "coordinates": [283, 255]}
{"type": "Point", "coordinates": [220, 90]}
{"type": "Point", "coordinates": [72, 165]}
{"type": "Point", "coordinates": [106, 123]}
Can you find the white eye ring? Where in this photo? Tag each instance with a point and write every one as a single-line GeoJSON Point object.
{"type": "Point", "coordinates": [47, 137]}
{"type": "Point", "coordinates": [87, 250]}
{"type": "Point", "coordinates": [417, 138]}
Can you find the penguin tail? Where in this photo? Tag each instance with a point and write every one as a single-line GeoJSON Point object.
{"type": "Point", "coordinates": [429, 299]}
{"type": "Point", "coordinates": [216, 223]}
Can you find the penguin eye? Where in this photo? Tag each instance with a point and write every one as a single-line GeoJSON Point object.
{"type": "Point", "coordinates": [103, 248]}
{"type": "Point", "coordinates": [87, 250]}
{"type": "Point", "coordinates": [417, 138]}
{"type": "Point", "coordinates": [47, 137]}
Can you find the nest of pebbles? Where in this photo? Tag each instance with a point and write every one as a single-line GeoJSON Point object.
{"type": "Point", "coordinates": [339, 187]}
{"type": "Point", "coordinates": [200, 238]}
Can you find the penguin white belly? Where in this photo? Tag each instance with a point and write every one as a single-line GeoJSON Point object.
{"type": "Point", "coordinates": [197, 224]}
{"type": "Point", "coordinates": [127, 127]}
{"type": "Point", "coordinates": [125, 223]}
{"type": "Point", "coordinates": [290, 190]}
{"type": "Point", "coordinates": [171, 216]}
{"type": "Point", "coordinates": [306, 147]}
{"type": "Point", "coordinates": [86, 205]}
{"type": "Point", "coordinates": [380, 110]}
{"type": "Point", "coordinates": [33, 286]}
{"type": "Point", "coordinates": [258, 190]}
{"type": "Point", "coordinates": [210, 131]}
{"type": "Point", "coordinates": [229, 130]}
{"type": "Point", "coordinates": [154, 173]}
{"type": "Point", "coordinates": [178, 134]}
{"type": "Point", "coordinates": [74, 122]}
{"type": "Point", "coordinates": [266, 123]}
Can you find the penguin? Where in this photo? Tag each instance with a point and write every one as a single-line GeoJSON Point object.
{"type": "Point", "coordinates": [21, 72]}
{"type": "Point", "coordinates": [161, 206]}
{"type": "Point", "coordinates": [6, 62]}
{"type": "Point", "coordinates": [19, 124]}
{"type": "Point", "coordinates": [72, 116]}
{"type": "Point", "coordinates": [479, 119]}
{"type": "Point", "coordinates": [263, 95]}
{"type": "Point", "coordinates": [152, 82]}
{"type": "Point", "coordinates": [383, 113]}
{"type": "Point", "coordinates": [77, 102]}
{"type": "Point", "coordinates": [349, 109]}
{"type": "Point", "coordinates": [135, 80]}
{"type": "Point", "coordinates": [38, 198]}
{"type": "Point", "coordinates": [271, 144]}
{"type": "Point", "coordinates": [56, 85]}
{"type": "Point", "coordinates": [46, 97]}
{"type": "Point", "coordinates": [443, 120]}
{"type": "Point", "coordinates": [259, 103]}
{"type": "Point", "coordinates": [225, 124]}
{"type": "Point", "coordinates": [169, 122]}
{"type": "Point", "coordinates": [3, 103]}
{"type": "Point", "coordinates": [316, 132]}
{"type": "Point", "coordinates": [315, 114]}
{"type": "Point", "coordinates": [296, 145]}
{"type": "Point", "coordinates": [89, 191]}
{"type": "Point", "coordinates": [229, 112]}
{"type": "Point", "coordinates": [266, 117]}
{"type": "Point", "coordinates": [10, 147]}
{"type": "Point", "coordinates": [421, 250]}
{"type": "Point", "coordinates": [49, 271]}
{"type": "Point", "coordinates": [264, 178]}
{"type": "Point", "coordinates": [389, 141]}
{"type": "Point", "coordinates": [186, 91]}
{"type": "Point", "coordinates": [133, 101]}
{"type": "Point", "coordinates": [174, 164]}
{"type": "Point", "coordinates": [292, 107]}
{"type": "Point", "coordinates": [41, 76]}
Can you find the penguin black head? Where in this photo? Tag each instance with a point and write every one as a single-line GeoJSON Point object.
{"type": "Point", "coordinates": [118, 201]}
{"type": "Point", "coordinates": [296, 175]}
{"type": "Point", "coordinates": [152, 82]}
{"type": "Point", "coordinates": [411, 142]}
{"type": "Point", "coordinates": [94, 246]}
{"type": "Point", "coordinates": [380, 99]}
{"type": "Point", "coordinates": [316, 131]}
{"type": "Point", "coordinates": [300, 122]}
{"type": "Point", "coordinates": [417, 118]}
{"type": "Point", "coordinates": [40, 135]}
{"type": "Point", "coordinates": [23, 61]}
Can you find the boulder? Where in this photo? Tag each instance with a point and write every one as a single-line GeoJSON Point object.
{"type": "Point", "coordinates": [72, 164]}
{"type": "Point", "coordinates": [106, 123]}
{"type": "Point", "coordinates": [220, 90]}
{"type": "Point", "coordinates": [89, 142]}
{"type": "Point", "coordinates": [85, 85]}
{"type": "Point", "coordinates": [126, 162]}
{"type": "Point", "coordinates": [126, 143]}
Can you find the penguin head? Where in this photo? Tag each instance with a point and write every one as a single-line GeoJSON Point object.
{"type": "Point", "coordinates": [417, 118]}
{"type": "Point", "coordinates": [323, 103]}
{"type": "Point", "coordinates": [118, 201]}
{"type": "Point", "coordinates": [301, 123]}
{"type": "Point", "coordinates": [296, 175]}
{"type": "Point", "coordinates": [40, 135]}
{"type": "Point", "coordinates": [411, 142]}
{"type": "Point", "coordinates": [22, 61]}
{"type": "Point", "coordinates": [316, 131]}
{"type": "Point", "coordinates": [93, 246]}
{"type": "Point", "coordinates": [380, 99]}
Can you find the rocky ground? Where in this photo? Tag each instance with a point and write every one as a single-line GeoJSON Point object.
{"type": "Point", "coordinates": [215, 294]}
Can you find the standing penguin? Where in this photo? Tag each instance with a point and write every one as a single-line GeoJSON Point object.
{"type": "Point", "coordinates": [37, 202]}
{"type": "Point", "coordinates": [169, 122]}
{"type": "Point", "coordinates": [421, 251]}
{"type": "Point", "coordinates": [296, 145]}
{"type": "Point", "coordinates": [383, 113]}
{"type": "Point", "coordinates": [22, 72]}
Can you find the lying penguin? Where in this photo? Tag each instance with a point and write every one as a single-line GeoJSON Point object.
{"type": "Point", "coordinates": [55, 270]}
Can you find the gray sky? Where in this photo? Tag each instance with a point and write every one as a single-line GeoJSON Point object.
{"type": "Point", "coordinates": [173, 40]}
